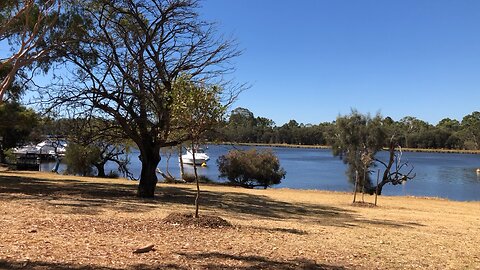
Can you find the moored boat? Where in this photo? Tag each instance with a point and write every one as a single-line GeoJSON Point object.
{"type": "Point", "coordinates": [46, 149]}
{"type": "Point", "coordinates": [200, 157]}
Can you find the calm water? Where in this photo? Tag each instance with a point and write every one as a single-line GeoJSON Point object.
{"type": "Point", "coordinates": [450, 176]}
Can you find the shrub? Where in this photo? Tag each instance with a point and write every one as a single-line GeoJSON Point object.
{"type": "Point", "coordinates": [251, 168]}
{"type": "Point", "coordinates": [190, 178]}
{"type": "Point", "coordinates": [10, 156]}
{"type": "Point", "coordinates": [80, 159]}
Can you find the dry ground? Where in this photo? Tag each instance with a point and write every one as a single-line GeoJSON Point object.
{"type": "Point", "coordinates": [61, 222]}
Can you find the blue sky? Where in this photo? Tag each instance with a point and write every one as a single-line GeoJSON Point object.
{"type": "Point", "coordinates": [312, 60]}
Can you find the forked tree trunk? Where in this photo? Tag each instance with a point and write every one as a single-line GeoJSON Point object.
{"type": "Point", "coordinates": [150, 157]}
{"type": "Point", "coordinates": [391, 159]}
{"type": "Point", "coordinates": [377, 189]}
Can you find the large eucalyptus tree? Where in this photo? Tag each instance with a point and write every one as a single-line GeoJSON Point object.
{"type": "Point", "coordinates": [125, 67]}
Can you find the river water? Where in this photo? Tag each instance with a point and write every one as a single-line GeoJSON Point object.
{"type": "Point", "coordinates": [451, 176]}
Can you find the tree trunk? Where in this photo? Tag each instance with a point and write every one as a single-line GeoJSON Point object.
{"type": "Point", "coordinates": [196, 180]}
{"type": "Point", "coordinates": [100, 169]}
{"type": "Point", "coordinates": [2, 156]}
{"type": "Point", "coordinates": [377, 189]}
{"type": "Point", "coordinates": [391, 159]}
{"type": "Point", "coordinates": [181, 161]}
{"type": "Point", "coordinates": [150, 157]}
{"type": "Point", "coordinates": [57, 163]}
{"type": "Point", "coordinates": [356, 187]}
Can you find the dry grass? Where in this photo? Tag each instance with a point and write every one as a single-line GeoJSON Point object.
{"type": "Point", "coordinates": [62, 222]}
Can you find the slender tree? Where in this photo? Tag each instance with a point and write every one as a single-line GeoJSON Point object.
{"type": "Point", "coordinates": [357, 139]}
{"type": "Point", "coordinates": [197, 109]}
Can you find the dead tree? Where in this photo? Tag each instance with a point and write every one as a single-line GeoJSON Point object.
{"type": "Point", "coordinates": [396, 171]}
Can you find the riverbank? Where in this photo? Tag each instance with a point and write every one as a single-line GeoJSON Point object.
{"type": "Point", "coordinates": [422, 150]}
{"type": "Point", "coordinates": [55, 221]}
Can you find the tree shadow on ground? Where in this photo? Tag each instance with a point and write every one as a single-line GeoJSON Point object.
{"type": "Point", "coordinates": [218, 261]}
{"type": "Point", "coordinates": [248, 206]}
{"type": "Point", "coordinates": [75, 196]}
{"type": "Point", "coordinates": [39, 265]}
{"type": "Point", "coordinates": [253, 262]}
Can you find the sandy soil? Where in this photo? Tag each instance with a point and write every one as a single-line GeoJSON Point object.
{"type": "Point", "coordinates": [62, 222]}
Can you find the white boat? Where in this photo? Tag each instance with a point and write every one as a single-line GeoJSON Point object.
{"type": "Point", "coordinates": [45, 148]}
{"type": "Point", "coordinates": [48, 146]}
{"type": "Point", "coordinates": [200, 157]}
{"type": "Point", "coordinates": [27, 149]}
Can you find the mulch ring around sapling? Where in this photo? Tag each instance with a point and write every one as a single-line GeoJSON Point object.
{"type": "Point", "coordinates": [364, 204]}
{"type": "Point", "coordinates": [189, 220]}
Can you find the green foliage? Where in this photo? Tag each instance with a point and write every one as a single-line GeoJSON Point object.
{"type": "Point", "coordinates": [470, 130]}
{"type": "Point", "coordinates": [10, 157]}
{"type": "Point", "coordinates": [243, 126]}
{"type": "Point", "coordinates": [80, 159]}
{"type": "Point", "coordinates": [15, 90]}
{"type": "Point", "coordinates": [357, 139]}
{"type": "Point", "coordinates": [93, 133]}
{"type": "Point", "coordinates": [449, 124]}
{"type": "Point", "coordinates": [196, 108]}
{"type": "Point", "coordinates": [16, 124]}
{"type": "Point", "coordinates": [251, 168]}
{"type": "Point", "coordinates": [409, 132]}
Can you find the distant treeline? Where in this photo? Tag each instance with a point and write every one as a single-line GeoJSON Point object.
{"type": "Point", "coordinates": [243, 127]}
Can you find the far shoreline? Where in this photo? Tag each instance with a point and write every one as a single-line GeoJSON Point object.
{"type": "Point", "coordinates": [305, 146]}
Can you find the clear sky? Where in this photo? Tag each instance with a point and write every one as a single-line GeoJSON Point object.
{"type": "Point", "coordinates": [310, 60]}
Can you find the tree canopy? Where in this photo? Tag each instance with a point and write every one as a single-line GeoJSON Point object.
{"type": "Point", "coordinates": [16, 124]}
{"type": "Point", "coordinates": [35, 31]}
{"type": "Point", "coordinates": [128, 61]}
{"type": "Point", "coordinates": [357, 140]}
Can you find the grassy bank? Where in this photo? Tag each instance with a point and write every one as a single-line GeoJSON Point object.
{"type": "Point", "coordinates": [424, 150]}
{"type": "Point", "coordinates": [54, 221]}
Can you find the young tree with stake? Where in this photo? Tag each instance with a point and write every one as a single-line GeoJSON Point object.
{"type": "Point", "coordinates": [197, 109]}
